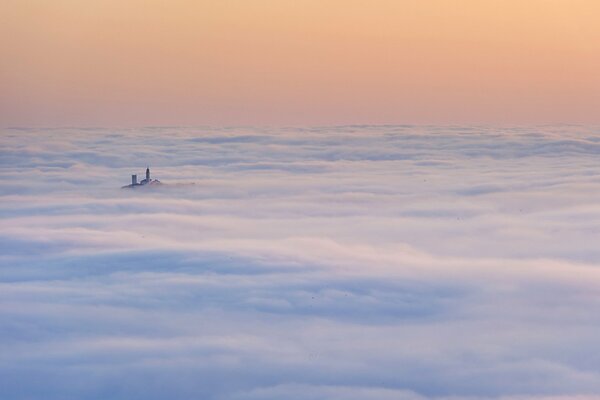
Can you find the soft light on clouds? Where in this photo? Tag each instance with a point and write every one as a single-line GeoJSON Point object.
{"type": "Point", "coordinates": [356, 262]}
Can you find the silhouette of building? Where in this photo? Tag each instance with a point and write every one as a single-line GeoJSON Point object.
{"type": "Point", "coordinates": [143, 182]}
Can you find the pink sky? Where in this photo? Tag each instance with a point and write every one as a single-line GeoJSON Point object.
{"type": "Point", "coordinates": [184, 62]}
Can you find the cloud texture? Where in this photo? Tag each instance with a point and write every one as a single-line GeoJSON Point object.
{"type": "Point", "coordinates": [358, 262]}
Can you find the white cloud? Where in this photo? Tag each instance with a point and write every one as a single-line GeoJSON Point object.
{"type": "Point", "coordinates": [346, 262]}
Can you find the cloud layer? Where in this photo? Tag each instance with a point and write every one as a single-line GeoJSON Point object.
{"type": "Point", "coordinates": [357, 262]}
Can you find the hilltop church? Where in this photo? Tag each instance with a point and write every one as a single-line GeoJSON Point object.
{"type": "Point", "coordinates": [147, 181]}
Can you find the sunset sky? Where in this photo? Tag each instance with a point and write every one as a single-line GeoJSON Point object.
{"type": "Point", "coordinates": [184, 62]}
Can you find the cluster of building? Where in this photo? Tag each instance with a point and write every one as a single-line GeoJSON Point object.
{"type": "Point", "coordinates": [147, 181]}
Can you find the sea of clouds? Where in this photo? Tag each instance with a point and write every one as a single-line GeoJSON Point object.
{"type": "Point", "coordinates": [357, 262]}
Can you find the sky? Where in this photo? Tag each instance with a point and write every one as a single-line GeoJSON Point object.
{"type": "Point", "coordinates": [312, 62]}
{"type": "Point", "coordinates": [354, 262]}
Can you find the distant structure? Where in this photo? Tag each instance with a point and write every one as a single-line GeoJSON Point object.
{"type": "Point", "coordinates": [143, 182]}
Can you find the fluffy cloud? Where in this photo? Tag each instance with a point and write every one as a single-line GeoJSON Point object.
{"type": "Point", "coordinates": [360, 262]}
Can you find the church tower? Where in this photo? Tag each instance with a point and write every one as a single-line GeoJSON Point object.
{"type": "Point", "coordinates": [147, 174]}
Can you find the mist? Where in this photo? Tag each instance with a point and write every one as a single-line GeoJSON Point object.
{"type": "Point", "coordinates": [351, 262]}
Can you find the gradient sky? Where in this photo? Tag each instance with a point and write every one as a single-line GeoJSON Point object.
{"type": "Point", "coordinates": [153, 62]}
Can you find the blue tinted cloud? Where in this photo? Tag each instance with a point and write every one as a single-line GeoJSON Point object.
{"type": "Point", "coordinates": [359, 262]}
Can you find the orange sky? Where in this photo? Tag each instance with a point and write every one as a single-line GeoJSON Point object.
{"type": "Point", "coordinates": [219, 62]}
